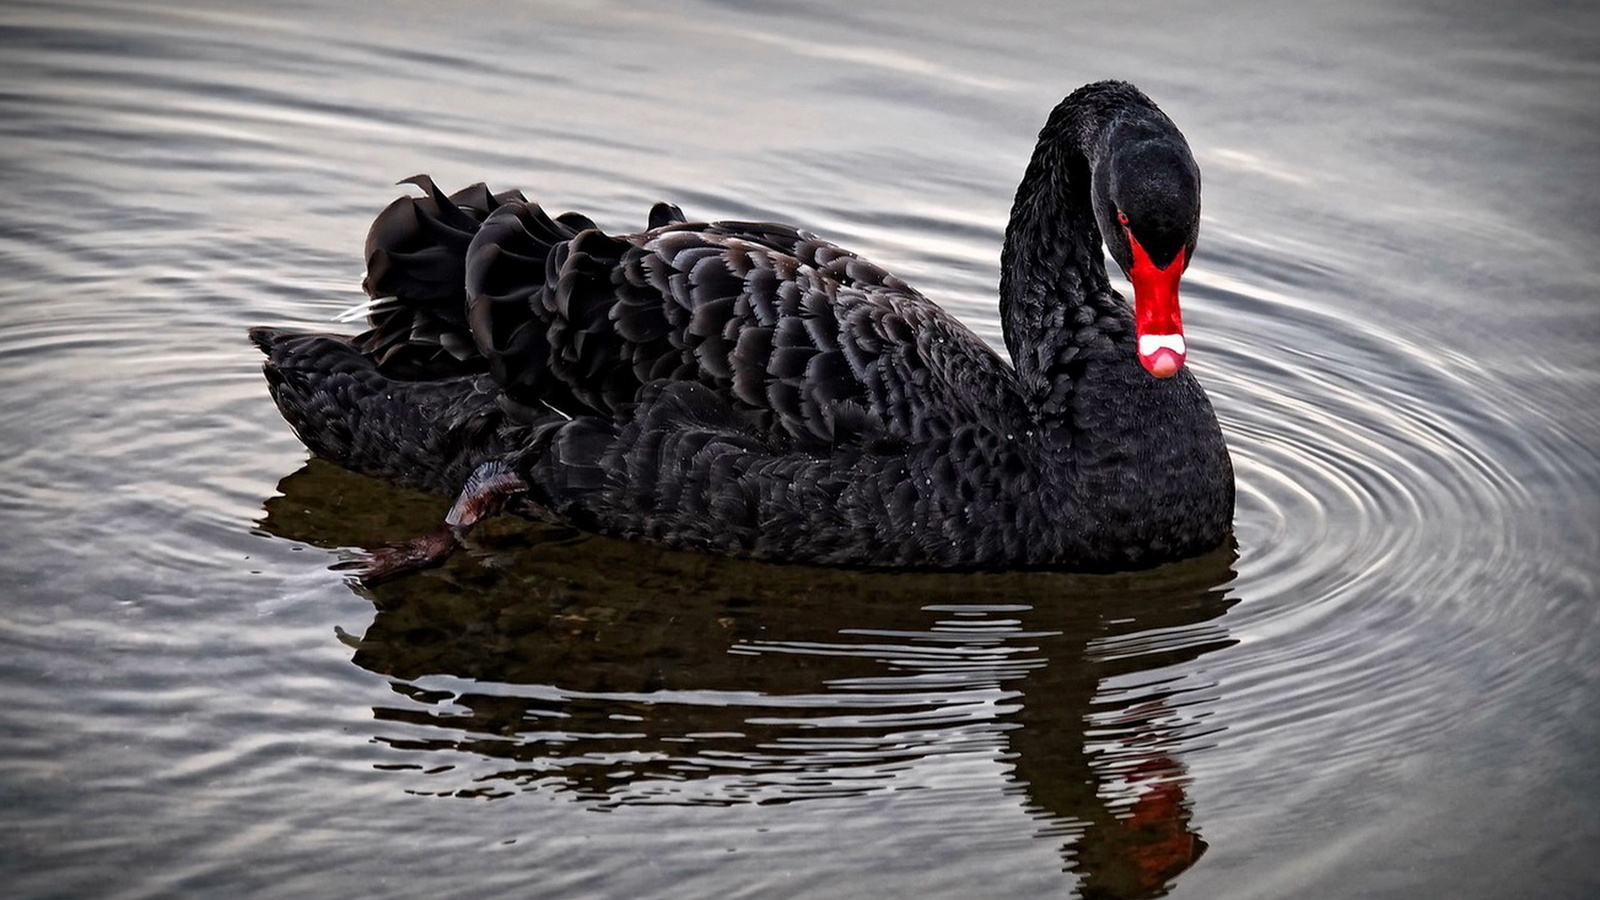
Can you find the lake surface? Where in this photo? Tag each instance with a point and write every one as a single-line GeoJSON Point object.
{"type": "Point", "coordinates": [1389, 688]}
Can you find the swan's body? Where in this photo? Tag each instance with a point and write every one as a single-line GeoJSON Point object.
{"type": "Point", "coordinates": [748, 388]}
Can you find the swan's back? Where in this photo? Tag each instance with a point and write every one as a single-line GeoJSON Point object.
{"type": "Point", "coordinates": [809, 344]}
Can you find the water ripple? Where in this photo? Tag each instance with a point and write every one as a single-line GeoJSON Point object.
{"type": "Point", "coordinates": [197, 705]}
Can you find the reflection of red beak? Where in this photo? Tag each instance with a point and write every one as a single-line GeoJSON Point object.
{"type": "Point", "coordinates": [1157, 319]}
{"type": "Point", "coordinates": [1163, 846]}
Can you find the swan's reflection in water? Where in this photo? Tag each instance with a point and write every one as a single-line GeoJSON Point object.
{"type": "Point", "coordinates": [624, 674]}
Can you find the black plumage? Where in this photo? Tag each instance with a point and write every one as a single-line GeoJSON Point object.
{"type": "Point", "coordinates": [749, 388]}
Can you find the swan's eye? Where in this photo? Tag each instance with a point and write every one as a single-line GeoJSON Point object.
{"type": "Point", "coordinates": [1123, 218]}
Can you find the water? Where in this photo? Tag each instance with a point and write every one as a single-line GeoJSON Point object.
{"type": "Point", "coordinates": [1388, 688]}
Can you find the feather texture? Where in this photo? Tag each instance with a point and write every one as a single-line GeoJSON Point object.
{"type": "Point", "coordinates": [750, 388]}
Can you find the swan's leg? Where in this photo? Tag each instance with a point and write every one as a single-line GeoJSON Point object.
{"type": "Point", "coordinates": [485, 492]}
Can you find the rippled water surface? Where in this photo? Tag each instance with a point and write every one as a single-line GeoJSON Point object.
{"type": "Point", "coordinates": [1388, 688]}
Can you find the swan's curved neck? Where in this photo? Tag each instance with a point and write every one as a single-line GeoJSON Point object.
{"type": "Point", "coordinates": [1056, 305]}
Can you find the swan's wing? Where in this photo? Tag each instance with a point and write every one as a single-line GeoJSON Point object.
{"type": "Point", "coordinates": [807, 341]}
{"type": "Point", "coordinates": [415, 254]}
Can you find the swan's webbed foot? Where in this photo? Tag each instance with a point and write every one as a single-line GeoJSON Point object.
{"type": "Point", "coordinates": [391, 561]}
{"type": "Point", "coordinates": [485, 493]}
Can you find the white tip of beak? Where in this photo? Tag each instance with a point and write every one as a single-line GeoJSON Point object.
{"type": "Point", "coordinates": [1162, 355]}
{"type": "Point", "coordinates": [1150, 343]}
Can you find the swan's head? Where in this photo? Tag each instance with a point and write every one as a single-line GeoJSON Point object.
{"type": "Point", "coordinates": [1147, 203]}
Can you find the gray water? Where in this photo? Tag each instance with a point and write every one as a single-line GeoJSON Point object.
{"type": "Point", "coordinates": [1389, 688]}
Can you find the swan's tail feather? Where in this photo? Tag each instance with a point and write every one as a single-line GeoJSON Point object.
{"type": "Point", "coordinates": [429, 434]}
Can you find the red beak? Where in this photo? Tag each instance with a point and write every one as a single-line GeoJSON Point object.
{"type": "Point", "coordinates": [1157, 319]}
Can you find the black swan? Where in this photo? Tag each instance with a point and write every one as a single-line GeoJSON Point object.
{"type": "Point", "coordinates": [748, 388]}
